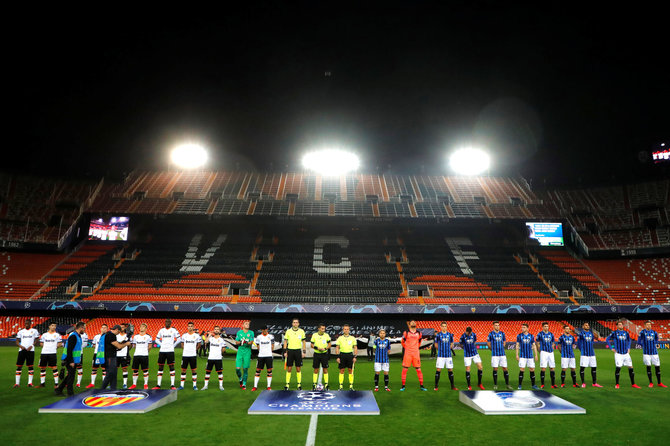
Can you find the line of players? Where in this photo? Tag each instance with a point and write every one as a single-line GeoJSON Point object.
{"type": "Point", "coordinates": [294, 344]}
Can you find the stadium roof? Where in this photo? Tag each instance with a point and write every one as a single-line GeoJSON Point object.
{"type": "Point", "coordinates": [556, 95]}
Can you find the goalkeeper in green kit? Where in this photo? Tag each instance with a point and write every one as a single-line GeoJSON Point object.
{"type": "Point", "coordinates": [244, 339]}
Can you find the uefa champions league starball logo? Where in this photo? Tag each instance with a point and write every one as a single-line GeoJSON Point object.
{"type": "Point", "coordinates": [315, 396]}
{"type": "Point", "coordinates": [518, 401]}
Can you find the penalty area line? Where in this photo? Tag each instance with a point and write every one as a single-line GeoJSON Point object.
{"type": "Point", "coordinates": [311, 433]}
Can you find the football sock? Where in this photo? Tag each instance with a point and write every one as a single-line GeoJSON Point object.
{"type": "Point", "coordinates": [437, 378]}
{"type": "Point", "coordinates": [377, 380]}
{"type": "Point", "coordinates": [18, 375]}
{"type": "Point", "coordinates": [351, 379]}
{"type": "Point", "coordinates": [593, 375]}
{"type": "Point", "coordinates": [532, 378]}
{"type": "Point", "coordinates": [125, 377]}
{"type": "Point", "coordinates": [479, 377]}
{"type": "Point", "coordinates": [256, 379]}
{"type": "Point", "coordinates": [159, 378]}
{"type": "Point", "coordinates": [43, 375]}
{"type": "Point", "coordinates": [520, 378]}
{"type": "Point", "coordinates": [315, 378]}
{"type": "Point", "coordinates": [194, 376]}
{"type": "Point", "coordinates": [552, 375]}
{"type": "Point", "coordinates": [495, 377]}
{"type": "Point", "coordinates": [341, 379]}
{"type": "Point", "coordinates": [386, 380]}
{"type": "Point", "coordinates": [172, 377]}
{"type": "Point", "coordinates": [649, 373]}
{"type": "Point", "coordinates": [467, 378]}
{"type": "Point", "coordinates": [238, 372]}
{"type": "Point", "coordinates": [573, 374]}
{"type": "Point", "coordinates": [30, 374]}
{"type": "Point", "coordinates": [631, 374]}
{"type": "Point", "coordinates": [658, 373]}
{"type": "Point", "coordinates": [325, 376]}
{"type": "Point", "coordinates": [581, 374]}
{"type": "Point", "coordinates": [542, 375]}
{"type": "Point", "coordinates": [298, 376]}
{"type": "Point", "coordinates": [506, 375]}
{"type": "Point", "coordinates": [94, 375]}
{"type": "Point", "coordinates": [419, 374]}
{"type": "Point", "coordinates": [146, 377]}
{"type": "Point", "coordinates": [288, 377]}
{"type": "Point", "coordinates": [269, 378]}
{"type": "Point", "coordinates": [562, 376]}
{"type": "Point", "coordinates": [403, 376]}
{"type": "Point", "coordinates": [245, 375]}
{"type": "Point", "coordinates": [617, 372]}
{"type": "Point", "coordinates": [451, 377]}
{"type": "Point", "coordinates": [136, 374]}
{"type": "Point", "coordinates": [80, 375]}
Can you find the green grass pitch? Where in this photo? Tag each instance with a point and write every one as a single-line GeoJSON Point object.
{"type": "Point", "coordinates": [625, 416]}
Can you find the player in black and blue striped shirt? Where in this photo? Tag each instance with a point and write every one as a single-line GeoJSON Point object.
{"type": "Point", "coordinates": [545, 343]}
{"type": "Point", "coordinates": [648, 339]}
{"type": "Point", "coordinates": [496, 341]}
{"type": "Point", "coordinates": [444, 342]}
{"type": "Point", "coordinates": [566, 343]}
{"type": "Point", "coordinates": [620, 341]}
{"type": "Point", "coordinates": [587, 357]}
{"type": "Point", "coordinates": [526, 351]}
{"type": "Point", "coordinates": [382, 346]}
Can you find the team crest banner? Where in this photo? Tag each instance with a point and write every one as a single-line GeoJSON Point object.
{"type": "Point", "coordinates": [113, 401]}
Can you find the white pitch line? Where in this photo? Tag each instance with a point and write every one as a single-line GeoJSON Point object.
{"type": "Point", "coordinates": [311, 433]}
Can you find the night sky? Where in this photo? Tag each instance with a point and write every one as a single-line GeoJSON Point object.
{"type": "Point", "coordinates": [570, 96]}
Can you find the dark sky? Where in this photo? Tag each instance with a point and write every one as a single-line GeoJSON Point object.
{"type": "Point", "coordinates": [559, 94]}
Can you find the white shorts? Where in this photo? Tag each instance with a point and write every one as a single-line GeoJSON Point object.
{"type": "Point", "coordinates": [470, 359]}
{"type": "Point", "coordinates": [568, 363]}
{"type": "Point", "coordinates": [526, 362]}
{"type": "Point", "coordinates": [444, 363]}
{"type": "Point", "coordinates": [651, 360]}
{"type": "Point", "coordinates": [587, 361]}
{"type": "Point", "coordinates": [547, 360]}
{"type": "Point", "coordinates": [381, 366]}
{"type": "Point", "coordinates": [498, 361]}
{"type": "Point", "coordinates": [623, 360]}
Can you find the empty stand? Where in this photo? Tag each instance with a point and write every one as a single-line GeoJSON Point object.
{"type": "Point", "coordinates": [635, 281]}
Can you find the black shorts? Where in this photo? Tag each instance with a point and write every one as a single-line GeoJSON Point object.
{"type": "Point", "coordinates": [265, 361]}
{"type": "Point", "coordinates": [164, 357]}
{"type": "Point", "coordinates": [346, 361]}
{"type": "Point", "coordinates": [122, 361]}
{"type": "Point", "coordinates": [26, 356]}
{"type": "Point", "coordinates": [141, 362]}
{"type": "Point", "coordinates": [214, 364]}
{"type": "Point", "coordinates": [189, 361]}
{"type": "Point", "coordinates": [294, 357]}
{"type": "Point", "coordinates": [48, 360]}
{"type": "Point", "coordinates": [320, 360]}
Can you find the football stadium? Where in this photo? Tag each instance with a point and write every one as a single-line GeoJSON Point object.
{"type": "Point", "coordinates": [317, 297]}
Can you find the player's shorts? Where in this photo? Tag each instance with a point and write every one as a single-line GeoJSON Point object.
{"type": "Point", "coordinates": [468, 360]}
{"type": "Point", "coordinates": [444, 363]}
{"type": "Point", "coordinates": [568, 363]}
{"type": "Point", "coordinates": [411, 360]}
{"type": "Point", "coordinates": [547, 360]}
{"type": "Point", "coordinates": [214, 364]}
{"type": "Point", "coordinates": [498, 361]}
{"type": "Point", "coordinates": [381, 366]}
{"type": "Point", "coordinates": [48, 360]}
{"type": "Point", "coordinates": [651, 360]}
{"type": "Point", "coordinates": [320, 360]}
{"type": "Point", "coordinates": [189, 361]}
{"type": "Point", "coordinates": [526, 362]}
{"type": "Point", "coordinates": [166, 357]}
{"type": "Point", "coordinates": [243, 359]}
{"type": "Point", "coordinates": [26, 356]}
{"type": "Point", "coordinates": [623, 360]}
{"type": "Point", "coordinates": [294, 357]}
{"type": "Point", "coordinates": [140, 362]}
{"type": "Point", "coordinates": [122, 361]}
{"type": "Point", "coordinates": [346, 361]}
{"type": "Point", "coordinates": [587, 361]}
{"type": "Point", "coordinates": [264, 361]}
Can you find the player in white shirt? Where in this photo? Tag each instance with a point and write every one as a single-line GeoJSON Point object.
{"type": "Point", "coordinates": [122, 356]}
{"type": "Point", "coordinates": [167, 339]}
{"type": "Point", "coordinates": [50, 341]}
{"type": "Point", "coordinates": [94, 364]}
{"type": "Point", "coordinates": [25, 341]}
{"type": "Point", "coordinates": [189, 357]}
{"type": "Point", "coordinates": [265, 343]}
{"type": "Point", "coordinates": [80, 366]}
{"type": "Point", "coordinates": [217, 346]}
{"type": "Point", "coordinates": [142, 344]}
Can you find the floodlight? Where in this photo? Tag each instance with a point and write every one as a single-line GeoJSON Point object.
{"type": "Point", "coordinates": [189, 156]}
{"type": "Point", "coordinates": [469, 161]}
{"type": "Point", "coordinates": [331, 162]}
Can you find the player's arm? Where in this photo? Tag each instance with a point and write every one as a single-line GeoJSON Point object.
{"type": "Point", "coordinates": [304, 346]}
{"type": "Point", "coordinates": [488, 342]}
{"type": "Point", "coordinates": [518, 347]}
{"type": "Point", "coordinates": [238, 340]}
{"type": "Point", "coordinates": [150, 344]}
{"type": "Point", "coordinates": [534, 349]}
{"type": "Point", "coordinates": [608, 341]}
{"type": "Point", "coordinates": [18, 343]}
{"type": "Point", "coordinates": [337, 350]}
{"type": "Point", "coordinates": [285, 344]}
{"type": "Point", "coordinates": [355, 350]}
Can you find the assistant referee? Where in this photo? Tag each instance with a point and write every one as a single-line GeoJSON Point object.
{"type": "Point", "coordinates": [294, 350]}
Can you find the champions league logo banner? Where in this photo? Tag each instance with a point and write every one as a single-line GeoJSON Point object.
{"type": "Point", "coordinates": [282, 402]}
{"type": "Point", "coordinates": [113, 401]}
{"type": "Point", "coordinates": [518, 402]}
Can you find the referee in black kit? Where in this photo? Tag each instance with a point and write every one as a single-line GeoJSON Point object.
{"type": "Point", "coordinates": [111, 347]}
